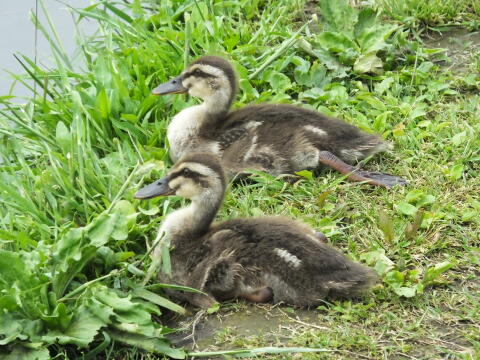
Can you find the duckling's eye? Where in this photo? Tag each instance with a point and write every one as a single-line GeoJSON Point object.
{"type": "Point", "coordinates": [197, 72]}
{"type": "Point", "coordinates": [187, 172]}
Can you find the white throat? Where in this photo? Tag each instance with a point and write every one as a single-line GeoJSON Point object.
{"type": "Point", "coordinates": [218, 103]}
{"type": "Point", "coordinates": [183, 133]}
{"type": "Point", "coordinates": [196, 217]}
{"type": "Point", "coordinates": [178, 221]}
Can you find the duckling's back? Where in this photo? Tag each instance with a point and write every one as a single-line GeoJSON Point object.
{"type": "Point", "coordinates": [288, 257]}
{"type": "Point", "coordinates": [281, 138]}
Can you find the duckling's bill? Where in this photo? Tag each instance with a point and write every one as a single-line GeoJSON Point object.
{"type": "Point", "coordinates": [174, 86]}
{"type": "Point", "coordinates": [158, 188]}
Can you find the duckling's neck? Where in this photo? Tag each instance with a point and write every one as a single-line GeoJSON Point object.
{"type": "Point", "coordinates": [188, 128]}
{"type": "Point", "coordinates": [217, 106]}
{"type": "Point", "coordinates": [188, 224]}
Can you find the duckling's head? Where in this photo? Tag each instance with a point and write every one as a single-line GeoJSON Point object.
{"type": "Point", "coordinates": [195, 176]}
{"type": "Point", "coordinates": [210, 78]}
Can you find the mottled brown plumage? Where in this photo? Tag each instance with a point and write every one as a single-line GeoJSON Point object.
{"type": "Point", "coordinates": [275, 138]}
{"type": "Point", "coordinates": [259, 259]}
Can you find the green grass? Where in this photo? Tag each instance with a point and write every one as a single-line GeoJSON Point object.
{"type": "Point", "coordinates": [76, 152]}
{"type": "Point", "coordinates": [433, 12]}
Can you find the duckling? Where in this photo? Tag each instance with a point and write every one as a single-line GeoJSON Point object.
{"type": "Point", "coordinates": [274, 138]}
{"type": "Point", "coordinates": [259, 259]}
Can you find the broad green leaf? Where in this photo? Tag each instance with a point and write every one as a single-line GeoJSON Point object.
{"type": "Point", "coordinates": [404, 291]}
{"type": "Point", "coordinates": [248, 89]}
{"type": "Point", "coordinates": [78, 246]}
{"type": "Point", "coordinates": [426, 200]}
{"type": "Point", "coordinates": [425, 67]}
{"type": "Point", "coordinates": [336, 42]}
{"type": "Point", "coordinates": [102, 228]}
{"type": "Point", "coordinates": [319, 76]}
{"type": "Point", "coordinates": [12, 269]}
{"type": "Point", "coordinates": [81, 331]}
{"type": "Point", "coordinates": [395, 278]}
{"type": "Point", "coordinates": [103, 75]}
{"type": "Point", "coordinates": [307, 174]}
{"type": "Point", "coordinates": [368, 63]}
{"type": "Point", "coordinates": [338, 15]}
{"type": "Point", "coordinates": [414, 195]}
{"type": "Point", "coordinates": [380, 124]}
{"type": "Point", "coordinates": [103, 103]}
{"type": "Point", "coordinates": [419, 198]}
{"type": "Point", "coordinates": [154, 345]}
{"type": "Point", "coordinates": [374, 38]}
{"type": "Point", "coordinates": [459, 138]}
{"type": "Point", "coordinates": [20, 352]}
{"type": "Point", "coordinates": [131, 315]}
{"type": "Point", "coordinates": [213, 309]}
{"type": "Point", "coordinates": [417, 112]}
{"type": "Point", "coordinates": [382, 264]}
{"type": "Point", "coordinates": [336, 93]}
{"type": "Point", "coordinates": [97, 308]}
{"type": "Point", "coordinates": [11, 328]}
{"type": "Point", "coordinates": [69, 247]}
{"type": "Point", "coordinates": [60, 318]}
{"type": "Point", "coordinates": [126, 219]}
{"type": "Point", "coordinates": [338, 70]}
{"type": "Point", "coordinates": [467, 216]}
{"type": "Point", "coordinates": [406, 208]}
{"type": "Point", "coordinates": [63, 137]}
{"type": "Point", "coordinates": [9, 302]}
{"type": "Point", "coordinates": [367, 18]}
{"type": "Point", "coordinates": [301, 72]}
{"type": "Point", "coordinates": [455, 172]}
{"type": "Point", "coordinates": [384, 85]}
{"type": "Point", "coordinates": [129, 117]}
{"type": "Point", "coordinates": [279, 82]}
{"type": "Point", "coordinates": [373, 101]}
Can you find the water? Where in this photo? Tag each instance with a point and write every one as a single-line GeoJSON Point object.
{"type": "Point", "coordinates": [17, 35]}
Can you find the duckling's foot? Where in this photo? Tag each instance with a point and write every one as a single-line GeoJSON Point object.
{"type": "Point", "coordinates": [260, 296]}
{"type": "Point", "coordinates": [354, 174]}
{"type": "Point", "coordinates": [376, 178]}
{"type": "Point", "coordinates": [202, 301]}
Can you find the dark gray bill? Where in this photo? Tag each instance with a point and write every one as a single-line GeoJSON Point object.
{"type": "Point", "coordinates": [174, 86]}
{"type": "Point", "coordinates": [158, 188]}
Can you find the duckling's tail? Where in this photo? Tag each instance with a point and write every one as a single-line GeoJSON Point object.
{"type": "Point", "coordinates": [363, 147]}
{"type": "Point", "coordinates": [353, 281]}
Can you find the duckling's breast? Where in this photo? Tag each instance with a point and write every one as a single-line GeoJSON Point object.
{"type": "Point", "coordinates": [183, 133]}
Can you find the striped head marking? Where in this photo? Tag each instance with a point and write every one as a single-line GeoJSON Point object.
{"type": "Point", "coordinates": [197, 174]}
{"type": "Point", "coordinates": [209, 76]}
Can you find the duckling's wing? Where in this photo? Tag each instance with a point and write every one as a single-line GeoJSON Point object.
{"type": "Point", "coordinates": [228, 137]}
{"type": "Point", "coordinates": [288, 257]}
